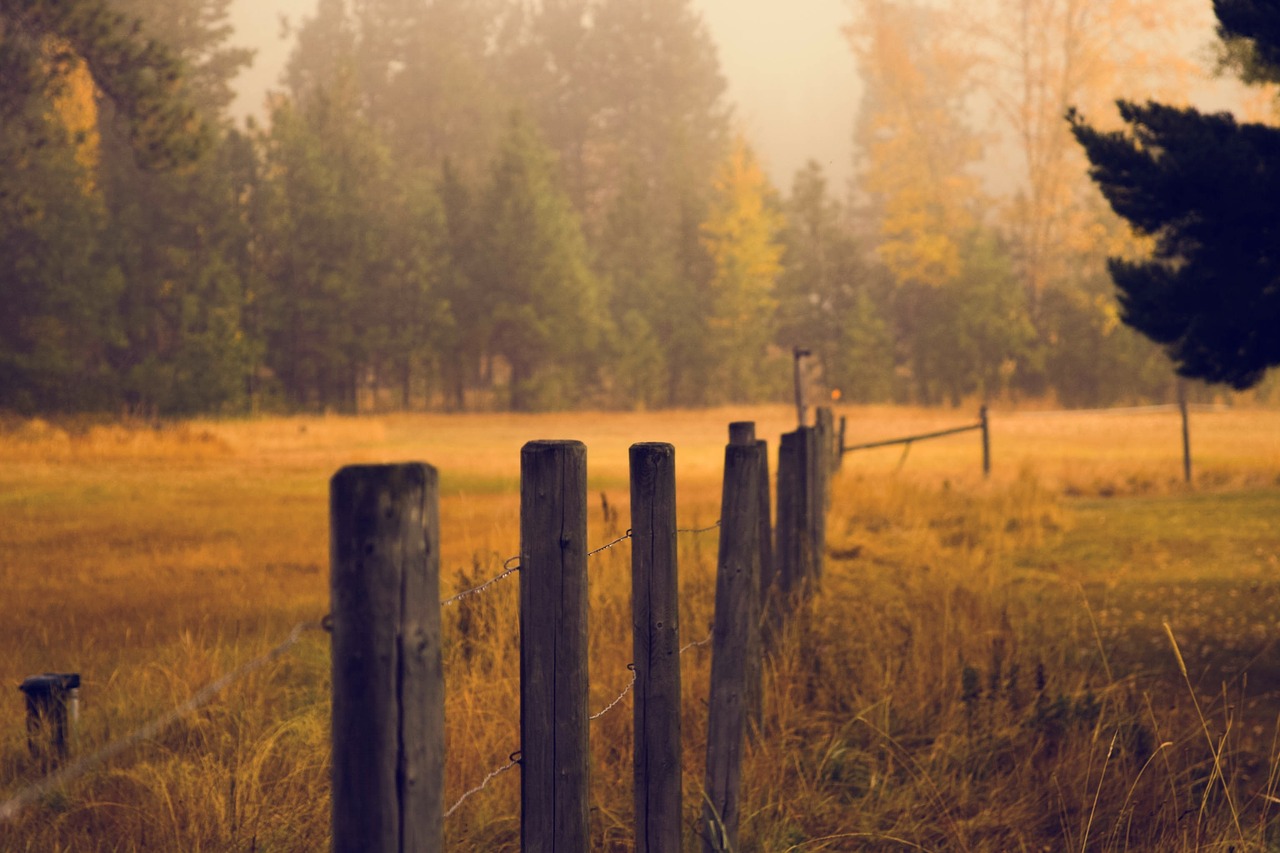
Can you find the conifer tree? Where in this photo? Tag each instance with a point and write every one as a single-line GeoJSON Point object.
{"type": "Point", "coordinates": [1206, 188]}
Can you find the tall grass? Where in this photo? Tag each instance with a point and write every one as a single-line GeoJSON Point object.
{"type": "Point", "coordinates": [972, 675]}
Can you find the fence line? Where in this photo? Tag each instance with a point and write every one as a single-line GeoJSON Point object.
{"type": "Point", "coordinates": [11, 807]}
{"type": "Point", "coordinates": [515, 759]}
{"type": "Point", "coordinates": [1124, 410]}
{"type": "Point", "coordinates": [508, 569]}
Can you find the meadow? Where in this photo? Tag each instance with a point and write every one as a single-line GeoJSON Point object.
{"type": "Point", "coordinates": [1079, 653]}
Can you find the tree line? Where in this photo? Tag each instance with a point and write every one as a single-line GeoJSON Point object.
{"type": "Point", "coordinates": [494, 204]}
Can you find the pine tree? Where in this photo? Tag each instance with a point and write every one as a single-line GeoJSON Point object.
{"type": "Point", "coordinates": [1206, 188]}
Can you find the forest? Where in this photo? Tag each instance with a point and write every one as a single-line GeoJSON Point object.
{"type": "Point", "coordinates": [500, 205]}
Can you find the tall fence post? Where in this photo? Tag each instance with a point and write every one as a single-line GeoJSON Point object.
{"type": "Point", "coordinates": [1186, 431]}
{"type": "Point", "coordinates": [388, 687]}
{"type": "Point", "coordinates": [844, 423]}
{"type": "Point", "coordinates": [824, 423]}
{"type": "Point", "coordinates": [655, 609]}
{"type": "Point", "coordinates": [986, 440]}
{"type": "Point", "coordinates": [793, 544]}
{"type": "Point", "coordinates": [769, 593]}
{"type": "Point", "coordinates": [736, 617]}
{"type": "Point", "coordinates": [553, 647]}
{"type": "Point", "coordinates": [816, 480]}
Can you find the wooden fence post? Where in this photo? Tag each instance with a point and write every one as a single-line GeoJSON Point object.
{"type": "Point", "coordinates": [824, 423]}
{"type": "Point", "coordinates": [737, 579]}
{"type": "Point", "coordinates": [1186, 431]}
{"type": "Point", "coordinates": [769, 593]}
{"type": "Point", "coordinates": [553, 647]}
{"type": "Point", "coordinates": [655, 608]}
{"type": "Point", "coordinates": [986, 441]}
{"type": "Point", "coordinates": [844, 423]}
{"type": "Point", "coordinates": [792, 541]}
{"type": "Point", "coordinates": [816, 480]}
{"type": "Point", "coordinates": [388, 687]}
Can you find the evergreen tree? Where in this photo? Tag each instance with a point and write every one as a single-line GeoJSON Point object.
{"type": "Point", "coordinates": [830, 300]}
{"type": "Point", "coordinates": [534, 269]}
{"type": "Point", "coordinates": [1207, 189]}
{"type": "Point", "coordinates": [180, 236]}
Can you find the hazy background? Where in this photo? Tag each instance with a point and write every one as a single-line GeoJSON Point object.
{"type": "Point", "coordinates": [790, 72]}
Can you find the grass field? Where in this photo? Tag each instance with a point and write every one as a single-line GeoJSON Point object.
{"type": "Point", "coordinates": [991, 665]}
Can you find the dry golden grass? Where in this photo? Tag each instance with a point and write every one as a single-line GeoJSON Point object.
{"type": "Point", "coordinates": [905, 705]}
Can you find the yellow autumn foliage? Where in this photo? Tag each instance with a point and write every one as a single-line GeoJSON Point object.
{"type": "Point", "coordinates": [73, 105]}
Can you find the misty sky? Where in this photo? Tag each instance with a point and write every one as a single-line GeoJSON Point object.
{"type": "Point", "coordinates": [791, 75]}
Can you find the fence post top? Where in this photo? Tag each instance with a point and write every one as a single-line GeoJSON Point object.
{"type": "Point", "coordinates": [552, 444]}
{"type": "Point", "coordinates": [661, 447]}
{"type": "Point", "coordinates": [416, 473]}
{"type": "Point", "coordinates": [742, 432]}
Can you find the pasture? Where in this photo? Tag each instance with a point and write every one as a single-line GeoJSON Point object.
{"type": "Point", "coordinates": [1079, 653]}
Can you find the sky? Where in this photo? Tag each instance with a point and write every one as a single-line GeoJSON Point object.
{"type": "Point", "coordinates": [791, 75]}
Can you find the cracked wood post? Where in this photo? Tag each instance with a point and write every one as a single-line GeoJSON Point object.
{"type": "Point", "coordinates": [655, 608]}
{"type": "Point", "coordinates": [553, 647]}
{"type": "Point", "coordinates": [388, 686]}
{"type": "Point", "coordinates": [736, 618]}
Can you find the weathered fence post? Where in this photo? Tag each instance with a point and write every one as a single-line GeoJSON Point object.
{"type": "Point", "coordinates": [844, 422]}
{"type": "Point", "coordinates": [736, 617]}
{"type": "Point", "coordinates": [769, 594]}
{"type": "Point", "coordinates": [798, 353]}
{"type": "Point", "coordinates": [553, 647]}
{"type": "Point", "coordinates": [1186, 431]}
{"type": "Point", "coordinates": [986, 440]}
{"type": "Point", "coordinates": [793, 544]}
{"type": "Point", "coordinates": [655, 609]}
{"type": "Point", "coordinates": [824, 423]}
{"type": "Point", "coordinates": [388, 686]}
{"type": "Point", "coordinates": [817, 478]}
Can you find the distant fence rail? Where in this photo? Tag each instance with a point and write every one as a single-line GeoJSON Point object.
{"type": "Point", "coordinates": [983, 425]}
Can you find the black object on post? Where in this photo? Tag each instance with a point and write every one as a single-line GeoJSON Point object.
{"type": "Point", "coordinates": [51, 697]}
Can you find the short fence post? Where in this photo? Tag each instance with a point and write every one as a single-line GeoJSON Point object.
{"type": "Point", "coordinates": [388, 687]}
{"type": "Point", "coordinates": [736, 617]}
{"type": "Point", "coordinates": [553, 647]}
{"type": "Point", "coordinates": [986, 441]}
{"type": "Point", "coordinates": [655, 608]}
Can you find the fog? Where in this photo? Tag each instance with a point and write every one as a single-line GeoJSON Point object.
{"type": "Point", "coordinates": [791, 75]}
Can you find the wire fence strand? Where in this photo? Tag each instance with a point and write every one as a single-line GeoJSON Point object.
{"type": "Point", "coordinates": [493, 774]}
{"type": "Point", "coordinates": [11, 807]}
{"type": "Point", "coordinates": [620, 696]}
{"type": "Point", "coordinates": [507, 571]}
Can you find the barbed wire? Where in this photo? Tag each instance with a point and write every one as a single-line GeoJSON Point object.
{"type": "Point", "coordinates": [11, 807]}
{"type": "Point", "coordinates": [710, 630]}
{"type": "Point", "coordinates": [515, 756]}
{"type": "Point", "coordinates": [508, 569]}
{"type": "Point", "coordinates": [493, 774]}
{"type": "Point", "coordinates": [698, 529]}
{"type": "Point", "coordinates": [623, 538]}
{"type": "Point", "coordinates": [620, 697]}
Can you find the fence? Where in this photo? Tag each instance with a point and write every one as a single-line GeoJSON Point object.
{"type": "Point", "coordinates": [982, 425]}
{"type": "Point", "coordinates": [388, 692]}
